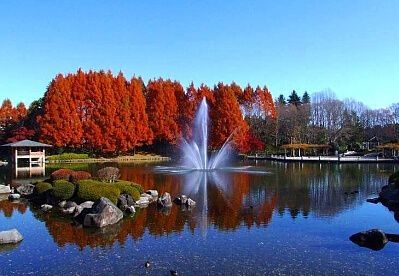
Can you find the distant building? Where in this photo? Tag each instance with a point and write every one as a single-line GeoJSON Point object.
{"type": "Point", "coordinates": [372, 143]}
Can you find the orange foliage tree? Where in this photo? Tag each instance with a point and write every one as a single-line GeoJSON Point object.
{"type": "Point", "coordinates": [227, 119]}
{"type": "Point", "coordinates": [104, 113]}
{"type": "Point", "coordinates": [162, 110]}
{"type": "Point", "coordinates": [11, 122]}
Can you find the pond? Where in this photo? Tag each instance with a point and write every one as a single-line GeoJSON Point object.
{"type": "Point", "coordinates": [296, 219]}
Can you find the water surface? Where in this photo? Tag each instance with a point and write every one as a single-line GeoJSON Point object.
{"type": "Point", "coordinates": [294, 220]}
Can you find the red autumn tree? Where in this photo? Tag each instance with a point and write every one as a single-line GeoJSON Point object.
{"type": "Point", "coordinates": [123, 119]}
{"type": "Point", "coordinates": [91, 128]}
{"type": "Point", "coordinates": [184, 109]}
{"type": "Point", "coordinates": [140, 132]}
{"type": "Point", "coordinates": [59, 124]}
{"type": "Point", "coordinates": [162, 110]}
{"type": "Point", "coordinates": [7, 114]}
{"type": "Point", "coordinates": [11, 119]}
{"type": "Point", "coordinates": [264, 103]}
{"type": "Point", "coordinates": [246, 100]}
{"type": "Point", "coordinates": [227, 118]}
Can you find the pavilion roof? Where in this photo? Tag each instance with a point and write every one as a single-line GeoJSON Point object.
{"type": "Point", "coordinates": [27, 144]}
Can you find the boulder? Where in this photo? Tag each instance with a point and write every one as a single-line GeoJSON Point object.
{"type": "Point", "coordinates": [85, 205]}
{"type": "Point", "coordinates": [14, 196]}
{"type": "Point", "coordinates": [130, 210]}
{"type": "Point", "coordinates": [103, 213]}
{"type": "Point", "coordinates": [68, 211]}
{"type": "Point", "coordinates": [373, 200]}
{"type": "Point", "coordinates": [165, 201]}
{"type": "Point", "coordinates": [374, 239]}
{"type": "Point", "coordinates": [149, 197]}
{"type": "Point", "coordinates": [389, 194]}
{"type": "Point", "coordinates": [125, 201]}
{"type": "Point", "coordinates": [70, 204]}
{"type": "Point", "coordinates": [190, 203]}
{"type": "Point", "coordinates": [153, 193]}
{"type": "Point", "coordinates": [10, 236]}
{"type": "Point", "coordinates": [180, 200]}
{"type": "Point", "coordinates": [46, 207]}
{"type": "Point", "coordinates": [5, 189]}
{"type": "Point", "coordinates": [26, 189]}
{"type": "Point", "coordinates": [142, 202]}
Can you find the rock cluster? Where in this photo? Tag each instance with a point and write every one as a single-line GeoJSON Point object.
{"type": "Point", "coordinates": [183, 200]}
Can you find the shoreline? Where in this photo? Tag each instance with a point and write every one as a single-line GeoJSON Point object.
{"type": "Point", "coordinates": [124, 159]}
{"type": "Point", "coordinates": [324, 159]}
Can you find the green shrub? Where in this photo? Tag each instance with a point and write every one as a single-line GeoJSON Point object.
{"type": "Point", "coordinates": [137, 186]}
{"type": "Point", "coordinates": [68, 156]}
{"type": "Point", "coordinates": [129, 188]}
{"type": "Point", "coordinates": [63, 189]}
{"type": "Point", "coordinates": [94, 190]}
{"type": "Point", "coordinates": [42, 187]}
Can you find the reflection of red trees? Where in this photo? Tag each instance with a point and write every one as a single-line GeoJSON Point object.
{"type": "Point", "coordinates": [227, 210]}
{"type": "Point", "coordinates": [149, 180]}
{"type": "Point", "coordinates": [64, 232]}
{"type": "Point", "coordinates": [8, 207]}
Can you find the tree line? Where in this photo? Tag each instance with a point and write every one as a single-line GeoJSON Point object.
{"type": "Point", "coordinates": [324, 119]}
{"type": "Point", "coordinates": [104, 113]}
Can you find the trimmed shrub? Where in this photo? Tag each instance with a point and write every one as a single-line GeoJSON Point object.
{"type": "Point", "coordinates": [79, 175]}
{"type": "Point", "coordinates": [63, 189]}
{"type": "Point", "coordinates": [42, 187]}
{"type": "Point", "coordinates": [61, 174]}
{"type": "Point", "coordinates": [108, 174]}
{"type": "Point", "coordinates": [94, 190]}
{"type": "Point", "coordinates": [129, 188]}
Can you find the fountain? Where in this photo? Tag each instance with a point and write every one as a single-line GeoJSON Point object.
{"type": "Point", "coordinates": [195, 153]}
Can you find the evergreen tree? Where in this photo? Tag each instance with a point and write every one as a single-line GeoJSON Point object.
{"type": "Point", "coordinates": [306, 98]}
{"type": "Point", "coordinates": [294, 99]}
{"type": "Point", "coordinates": [281, 100]}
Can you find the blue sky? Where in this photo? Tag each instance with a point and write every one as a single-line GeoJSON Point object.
{"type": "Point", "coordinates": [350, 47]}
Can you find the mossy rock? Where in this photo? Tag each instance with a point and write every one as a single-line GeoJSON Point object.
{"type": "Point", "coordinates": [42, 187]}
{"type": "Point", "coordinates": [63, 189]}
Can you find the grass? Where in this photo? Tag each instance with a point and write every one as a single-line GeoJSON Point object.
{"type": "Point", "coordinates": [68, 156]}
